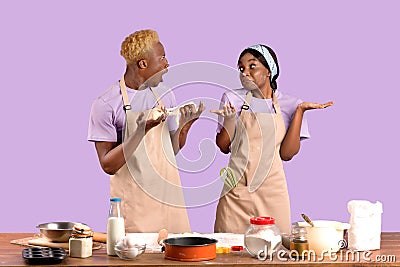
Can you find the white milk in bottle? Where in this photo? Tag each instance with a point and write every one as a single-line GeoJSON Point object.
{"type": "Point", "coordinates": [115, 225]}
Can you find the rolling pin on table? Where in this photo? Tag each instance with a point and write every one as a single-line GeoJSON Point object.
{"type": "Point", "coordinates": [100, 237]}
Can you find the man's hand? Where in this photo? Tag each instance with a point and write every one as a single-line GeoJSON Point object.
{"type": "Point", "coordinates": [155, 117]}
{"type": "Point", "coordinates": [190, 114]}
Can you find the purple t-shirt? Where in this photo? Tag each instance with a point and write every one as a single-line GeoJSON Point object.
{"type": "Point", "coordinates": [287, 103]}
{"type": "Point", "coordinates": [107, 117]}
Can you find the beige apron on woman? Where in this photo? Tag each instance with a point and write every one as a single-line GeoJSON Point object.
{"type": "Point", "coordinates": [153, 199]}
{"type": "Point", "coordinates": [255, 160]}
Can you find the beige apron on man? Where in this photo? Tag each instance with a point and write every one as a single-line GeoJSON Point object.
{"type": "Point", "coordinates": [262, 189]}
{"type": "Point", "coordinates": [153, 200]}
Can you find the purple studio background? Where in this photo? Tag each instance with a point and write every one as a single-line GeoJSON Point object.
{"type": "Point", "coordinates": [57, 56]}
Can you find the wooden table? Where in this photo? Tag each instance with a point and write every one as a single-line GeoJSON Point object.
{"type": "Point", "coordinates": [10, 255]}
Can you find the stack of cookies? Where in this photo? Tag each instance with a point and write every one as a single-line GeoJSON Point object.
{"type": "Point", "coordinates": [81, 230]}
{"type": "Point", "coordinates": [81, 242]}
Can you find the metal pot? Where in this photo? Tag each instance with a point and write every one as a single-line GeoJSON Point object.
{"type": "Point", "coordinates": [190, 248]}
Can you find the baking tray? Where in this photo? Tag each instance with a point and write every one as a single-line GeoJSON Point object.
{"type": "Point", "coordinates": [44, 255]}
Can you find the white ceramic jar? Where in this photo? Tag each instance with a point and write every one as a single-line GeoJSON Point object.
{"type": "Point", "coordinates": [81, 241]}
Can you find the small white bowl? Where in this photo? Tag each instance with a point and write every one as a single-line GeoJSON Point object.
{"type": "Point", "coordinates": [130, 253]}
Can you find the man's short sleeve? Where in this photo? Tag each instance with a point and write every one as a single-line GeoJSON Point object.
{"type": "Point", "coordinates": [101, 122]}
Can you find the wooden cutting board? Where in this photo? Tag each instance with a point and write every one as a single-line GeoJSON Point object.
{"type": "Point", "coordinates": [43, 242]}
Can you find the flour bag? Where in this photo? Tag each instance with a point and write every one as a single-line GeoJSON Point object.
{"type": "Point", "coordinates": [365, 225]}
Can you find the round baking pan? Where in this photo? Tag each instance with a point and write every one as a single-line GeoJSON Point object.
{"type": "Point", "coordinates": [190, 248]}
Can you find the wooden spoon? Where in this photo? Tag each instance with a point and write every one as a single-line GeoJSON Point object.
{"type": "Point", "coordinates": [307, 219]}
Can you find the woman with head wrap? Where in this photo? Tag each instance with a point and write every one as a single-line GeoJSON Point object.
{"type": "Point", "coordinates": [267, 130]}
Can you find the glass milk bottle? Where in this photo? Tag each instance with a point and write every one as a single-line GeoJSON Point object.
{"type": "Point", "coordinates": [115, 225]}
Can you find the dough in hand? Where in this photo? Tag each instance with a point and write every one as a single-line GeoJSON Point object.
{"type": "Point", "coordinates": [155, 114]}
{"type": "Point", "coordinates": [176, 111]}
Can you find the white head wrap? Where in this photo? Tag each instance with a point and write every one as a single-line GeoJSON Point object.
{"type": "Point", "coordinates": [270, 60]}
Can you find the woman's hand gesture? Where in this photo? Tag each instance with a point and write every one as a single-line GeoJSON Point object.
{"type": "Point", "coordinates": [228, 111]}
{"type": "Point", "coordinates": [310, 105]}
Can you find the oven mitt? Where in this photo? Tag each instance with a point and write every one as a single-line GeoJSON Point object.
{"type": "Point", "coordinates": [228, 176]}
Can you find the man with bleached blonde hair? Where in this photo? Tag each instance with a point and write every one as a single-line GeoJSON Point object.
{"type": "Point", "coordinates": [136, 141]}
{"type": "Point", "coordinates": [136, 45]}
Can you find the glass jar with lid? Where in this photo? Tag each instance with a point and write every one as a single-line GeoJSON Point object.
{"type": "Point", "coordinates": [262, 236]}
{"type": "Point", "coordinates": [298, 241]}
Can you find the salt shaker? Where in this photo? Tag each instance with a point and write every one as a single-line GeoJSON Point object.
{"type": "Point", "coordinates": [262, 235]}
{"type": "Point", "coordinates": [298, 241]}
{"type": "Point", "coordinates": [115, 225]}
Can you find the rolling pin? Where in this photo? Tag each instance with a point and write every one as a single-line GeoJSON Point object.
{"type": "Point", "coordinates": [100, 237]}
{"type": "Point", "coordinates": [162, 234]}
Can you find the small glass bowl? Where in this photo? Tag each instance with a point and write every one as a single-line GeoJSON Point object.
{"type": "Point", "coordinates": [130, 253]}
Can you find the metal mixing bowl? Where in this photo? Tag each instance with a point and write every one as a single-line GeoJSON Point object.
{"type": "Point", "coordinates": [56, 231]}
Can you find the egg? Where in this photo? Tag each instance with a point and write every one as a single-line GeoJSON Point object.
{"type": "Point", "coordinates": [132, 253]}
{"type": "Point", "coordinates": [140, 242]}
{"type": "Point", "coordinates": [129, 241]}
{"type": "Point", "coordinates": [120, 244]}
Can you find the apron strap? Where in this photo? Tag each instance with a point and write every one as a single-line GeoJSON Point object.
{"type": "Point", "coordinates": [276, 103]}
{"type": "Point", "coordinates": [125, 98]}
{"type": "Point", "coordinates": [159, 102]}
{"type": "Point", "coordinates": [247, 102]}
